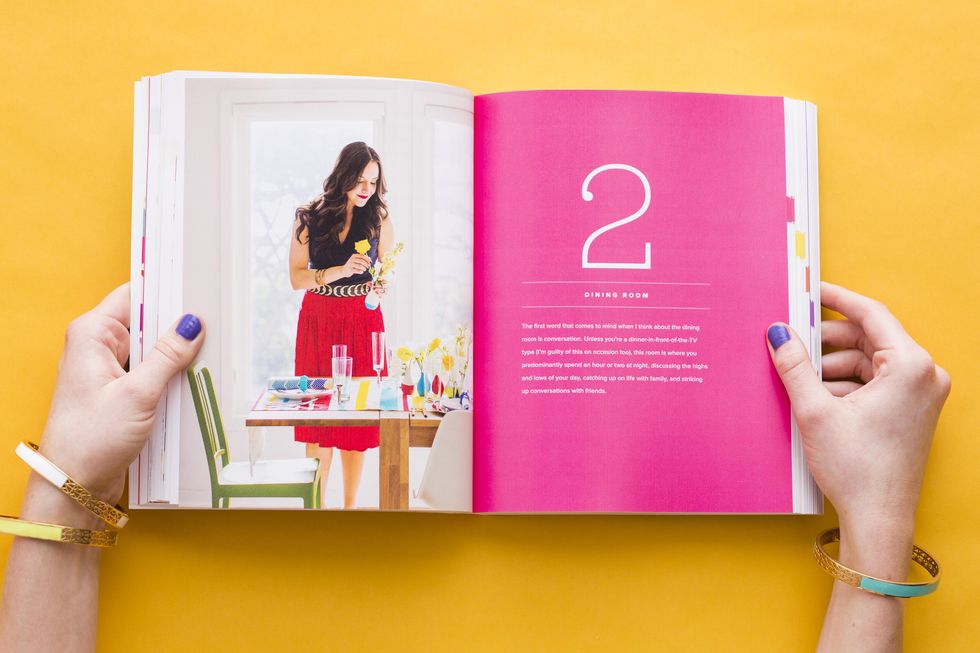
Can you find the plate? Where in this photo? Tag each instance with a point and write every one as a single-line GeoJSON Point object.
{"type": "Point", "coordinates": [296, 393]}
{"type": "Point", "coordinates": [448, 405]}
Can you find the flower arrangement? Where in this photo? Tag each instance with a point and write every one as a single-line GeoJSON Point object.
{"type": "Point", "coordinates": [441, 366]}
{"type": "Point", "coordinates": [378, 270]}
{"type": "Point", "coordinates": [408, 357]}
{"type": "Point", "coordinates": [456, 361]}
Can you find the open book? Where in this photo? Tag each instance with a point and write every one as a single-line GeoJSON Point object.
{"type": "Point", "coordinates": [573, 289]}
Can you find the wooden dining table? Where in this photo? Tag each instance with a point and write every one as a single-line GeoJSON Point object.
{"type": "Point", "coordinates": [399, 430]}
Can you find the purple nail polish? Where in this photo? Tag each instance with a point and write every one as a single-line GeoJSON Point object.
{"type": "Point", "coordinates": [189, 327]}
{"type": "Point", "coordinates": [778, 336]}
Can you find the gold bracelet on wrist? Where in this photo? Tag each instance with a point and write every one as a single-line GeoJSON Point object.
{"type": "Point", "coordinates": [870, 583]}
{"type": "Point", "coordinates": [111, 515]}
{"type": "Point", "coordinates": [55, 533]}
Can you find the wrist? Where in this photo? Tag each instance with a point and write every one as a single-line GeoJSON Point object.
{"type": "Point", "coordinates": [45, 503]}
{"type": "Point", "coordinates": [87, 469]}
{"type": "Point", "coordinates": [880, 547]}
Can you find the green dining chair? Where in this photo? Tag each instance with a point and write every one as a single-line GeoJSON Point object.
{"type": "Point", "coordinates": [296, 477]}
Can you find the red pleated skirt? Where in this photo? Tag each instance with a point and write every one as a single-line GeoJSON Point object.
{"type": "Point", "coordinates": [324, 322]}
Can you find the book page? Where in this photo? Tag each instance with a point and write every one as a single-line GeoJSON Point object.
{"type": "Point", "coordinates": [631, 253]}
{"type": "Point", "coordinates": [392, 158]}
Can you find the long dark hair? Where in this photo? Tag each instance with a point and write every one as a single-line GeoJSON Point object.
{"type": "Point", "coordinates": [325, 214]}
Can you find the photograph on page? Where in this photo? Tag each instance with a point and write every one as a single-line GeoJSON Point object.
{"type": "Point", "coordinates": [327, 243]}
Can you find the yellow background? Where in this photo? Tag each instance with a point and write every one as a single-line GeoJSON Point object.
{"type": "Point", "coordinates": [897, 89]}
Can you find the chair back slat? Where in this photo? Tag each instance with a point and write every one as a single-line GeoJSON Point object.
{"type": "Point", "coordinates": [208, 419]}
{"type": "Point", "coordinates": [215, 413]}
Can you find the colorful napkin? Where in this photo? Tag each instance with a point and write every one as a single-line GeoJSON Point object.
{"type": "Point", "coordinates": [301, 383]}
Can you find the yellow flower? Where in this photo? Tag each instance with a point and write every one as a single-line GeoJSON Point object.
{"type": "Point", "coordinates": [433, 345]}
{"type": "Point", "coordinates": [448, 362]}
{"type": "Point", "coordinates": [404, 354]}
{"type": "Point", "coordinates": [362, 247]}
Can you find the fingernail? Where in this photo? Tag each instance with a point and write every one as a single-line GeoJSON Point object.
{"type": "Point", "coordinates": [778, 336]}
{"type": "Point", "coordinates": [189, 327]}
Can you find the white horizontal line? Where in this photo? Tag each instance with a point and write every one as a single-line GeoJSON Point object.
{"type": "Point", "coordinates": [647, 283]}
{"type": "Point", "coordinates": [670, 308]}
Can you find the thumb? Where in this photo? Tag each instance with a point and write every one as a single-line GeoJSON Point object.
{"type": "Point", "coordinates": [792, 362]}
{"type": "Point", "coordinates": [173, 352]}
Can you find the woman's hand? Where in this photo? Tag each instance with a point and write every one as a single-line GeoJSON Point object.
{"type": "Point", "coordinates": [866, 443]}
{"type": "Point", "coordinates": [356, 264]}
{"type": "Point", "coordinates": [100, 415]}
{"type": "Point", "coordinates": [100, 419]}
{"type": "Point", "coordinates": [380, 288]}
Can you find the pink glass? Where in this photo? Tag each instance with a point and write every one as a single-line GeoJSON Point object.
{"type": "Point", "coordinates": [378, 352]}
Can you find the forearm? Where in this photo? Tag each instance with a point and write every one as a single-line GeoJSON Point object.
{"type": "Point", "coordinates": [857, 620]}
{"type": "Point", "coordinates": [50, 594]}
{"type": "Point", "coordinates": [306, 279]}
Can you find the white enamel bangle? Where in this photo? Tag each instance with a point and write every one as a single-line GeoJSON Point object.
{"type": "Point", "coordinates": [112, 515]}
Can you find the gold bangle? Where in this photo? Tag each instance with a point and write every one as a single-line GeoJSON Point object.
{"type": "Point", "coordinates": [113, 516]}
{"type": "Point", "coordinates": [55, 533]}
{"type": "Point", "coordinates": [870, 583]}
{"type": "Point", "coordinates": [318, 276]}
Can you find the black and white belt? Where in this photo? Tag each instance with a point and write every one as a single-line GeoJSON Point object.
{"type": "Point", "coordinates": [352, 290]}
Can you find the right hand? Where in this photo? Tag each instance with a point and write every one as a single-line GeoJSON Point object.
{"type": "Point", "coordinates": [356, 264]}
{"type": "Point", "coordinates": [866, 443]}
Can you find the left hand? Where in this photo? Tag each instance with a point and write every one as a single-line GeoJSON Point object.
{"type": "Point", "coordinates": [380, 288]}
{"type": "Point", "coordinates": [101, 416]}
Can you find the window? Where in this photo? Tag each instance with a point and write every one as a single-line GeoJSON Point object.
{"type": "Point", "coordinates": [288, 162]}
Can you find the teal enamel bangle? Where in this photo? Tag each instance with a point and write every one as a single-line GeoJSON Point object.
{"type": "Point", "coordinates": [870, 583]}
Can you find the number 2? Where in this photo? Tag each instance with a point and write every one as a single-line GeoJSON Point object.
{"type": "Point", "coordinates": [587, 196]}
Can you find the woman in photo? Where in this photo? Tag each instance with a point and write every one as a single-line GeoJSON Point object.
{"type": "Point", "coordinates": [324, 263]}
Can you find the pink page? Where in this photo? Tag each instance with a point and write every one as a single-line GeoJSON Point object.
{"type": "Point", "coordinates": [688, 416]}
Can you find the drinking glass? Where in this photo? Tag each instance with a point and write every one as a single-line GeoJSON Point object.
{"type": "Point", "coordinates": [378, 352]}
{"type": "Point", "coordinates": [339, 370]}
{"type": "Point", "coordinates": [348, 369]}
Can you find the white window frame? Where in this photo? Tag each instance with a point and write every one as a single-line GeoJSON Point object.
{"type": "Point", "coordinates": [239, 109]}
{"type": "Point", "coordinates": [408, 169]}
{"type": "Point", "coordinates": [427, 109]}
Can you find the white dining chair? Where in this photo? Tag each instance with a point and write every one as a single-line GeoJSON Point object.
{"type": "Point", "coordinates": [447, 482]}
